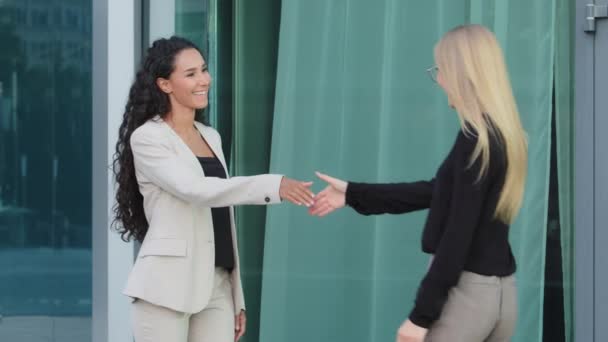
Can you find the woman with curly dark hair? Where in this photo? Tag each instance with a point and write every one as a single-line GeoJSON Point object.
{"type": "Point", "coordinates": [174, 195]}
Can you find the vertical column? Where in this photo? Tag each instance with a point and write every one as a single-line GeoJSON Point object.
{"type": "Point", "coordinates": [584, 181]}
{"type": "Point", "coordinates": [113, 70]}
{"type": "Point", "coordinates": [600, 84]}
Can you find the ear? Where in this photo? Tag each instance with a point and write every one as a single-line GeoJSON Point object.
{"type": "Point", "coordinates": [164, 85]}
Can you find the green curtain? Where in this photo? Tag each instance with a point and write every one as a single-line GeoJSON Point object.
{"type": "Point", "coordinates": [564, 111]}
{"type": "Point", "coordinates": [353, 100]}
{"type": "Point", "coordinates": [255, 43]}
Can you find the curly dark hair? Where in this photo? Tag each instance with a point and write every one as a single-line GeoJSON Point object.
{"type": "Point", "coordinates": [146, 100]}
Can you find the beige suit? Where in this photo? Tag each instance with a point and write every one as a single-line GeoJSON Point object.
{"type": "Point", "coordinates": [175, 267]}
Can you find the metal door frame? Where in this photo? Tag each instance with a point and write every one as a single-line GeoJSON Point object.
{"type": "Point", "coordinates": [591, 176]}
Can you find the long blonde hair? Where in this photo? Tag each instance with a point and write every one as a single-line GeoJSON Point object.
{"type": "Point", "coordinates": [474, 74]}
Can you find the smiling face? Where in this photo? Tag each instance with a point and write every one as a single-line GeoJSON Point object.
{"type": "Point", "coordinates": [189, 83]}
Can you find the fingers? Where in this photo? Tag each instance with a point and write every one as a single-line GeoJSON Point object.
{"type": "Point", "coordinates": [243, 324]}
{"type": "Point", "coordinates": [325, 178]}
{"type": "Point", "coordinates": [336, 183]}
{"type": "Point", "coordinates": [239, 334]}
{"type": "Point", "coordinates": [237, 328]}
{"type": "Point", "coordinates": [300, 197]}
{"type": "Point", "coordinates": [320, 199]}
{"type": "Point", "coordinates": [322, 195]}
{"type": "Point", "coordinates": [306, 188]}
{"type": "Point", "coordinates": [322, 205]}
{"type": "Point", "coordinates": [240, 326]}
{"type": "Point", "coordinates": [297, 192]}
{"type": "Point", "coordinates": [321, 210]}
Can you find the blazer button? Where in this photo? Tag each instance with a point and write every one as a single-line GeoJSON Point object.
{"type": "Point", "coordinates": [267, 199]}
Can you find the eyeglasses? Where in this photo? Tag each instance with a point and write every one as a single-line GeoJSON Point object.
{"type": "Point", "coordinates": [432, 71]}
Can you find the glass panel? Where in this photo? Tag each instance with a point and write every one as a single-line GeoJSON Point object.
{"type": "Point", "coordinates": [191, 21]}
{"type": "Point", "coordinates": [197, 21]}
{"type": "Point", "coordinates": [204, 23]}
{"type": "Point", "coordinates": [45, 171]}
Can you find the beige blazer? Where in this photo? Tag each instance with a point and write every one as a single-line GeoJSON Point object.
{"type": "Point", "coordinates": [176, 263]}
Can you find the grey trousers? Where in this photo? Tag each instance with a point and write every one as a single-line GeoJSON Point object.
{"type": "Point", "coordinates": [479, 309]}
{"type": "Point", "coordinates": [152, 323]}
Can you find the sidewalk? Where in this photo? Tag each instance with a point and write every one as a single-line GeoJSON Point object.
{"type": "Point", "coordinates": [45, 329]}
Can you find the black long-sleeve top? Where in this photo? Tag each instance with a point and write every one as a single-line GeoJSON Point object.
{"type": "Point", "coordinates": [460, 229]}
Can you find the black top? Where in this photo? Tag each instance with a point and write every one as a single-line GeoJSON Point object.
{"type": "Point", "coordinates": [224, 251]}
{"type": "Point", "coordinates": [460, 229]}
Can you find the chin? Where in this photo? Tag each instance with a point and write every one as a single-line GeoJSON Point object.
{"type": "Point", "coordinates": [201, 105]}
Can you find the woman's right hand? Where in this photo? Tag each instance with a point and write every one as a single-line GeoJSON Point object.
{"type": "Point", "coordinates": [296, 192]}
{"type": "Point", "coordinates": [333, 197]}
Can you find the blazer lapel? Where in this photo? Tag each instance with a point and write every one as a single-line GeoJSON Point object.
{"type": "Point", "coordinates": [181, 148]}
{"type": "Point", "coordinates": [214, 144]}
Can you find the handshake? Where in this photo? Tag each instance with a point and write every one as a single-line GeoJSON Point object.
{"type": "Point", "coordinates": [331, 198]}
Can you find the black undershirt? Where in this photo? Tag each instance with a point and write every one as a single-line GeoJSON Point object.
{"type": "Point", "coordinates": [224, 250]}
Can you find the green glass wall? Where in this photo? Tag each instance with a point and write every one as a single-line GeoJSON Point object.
{"type": "Point", "coordinates": [45, 170]}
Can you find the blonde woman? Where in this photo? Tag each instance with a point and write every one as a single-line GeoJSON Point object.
{"type": "Point", "coordinates": [468, 293]}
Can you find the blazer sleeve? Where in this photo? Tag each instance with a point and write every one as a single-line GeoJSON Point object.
{"type": "Point", "coordinates": [155, 160]}
{"type": "Point", "coordinates": [390, 198]}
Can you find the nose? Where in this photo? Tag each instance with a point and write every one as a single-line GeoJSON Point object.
{"type": "Point", "coordinates": [205, 79]}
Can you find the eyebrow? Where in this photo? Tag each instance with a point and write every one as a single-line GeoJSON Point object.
{"type": "Point", "coordinates": [195, 68]}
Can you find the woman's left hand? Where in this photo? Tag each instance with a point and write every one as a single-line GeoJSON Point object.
{"type": "Point", "coordinates": [410, 332]}
{"type": "Point", "coordinates": [240, 322]}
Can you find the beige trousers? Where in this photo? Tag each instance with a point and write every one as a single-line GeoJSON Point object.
{"type": "Point", "coordinates": [152, 323]}
{"type": "Point", "coordinates": [479, 309]}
